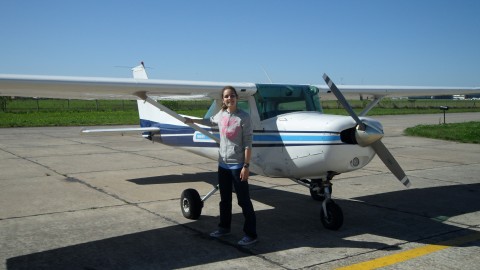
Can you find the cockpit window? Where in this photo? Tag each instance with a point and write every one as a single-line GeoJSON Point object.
{"type": "Point", "coordinates": [276, 99]}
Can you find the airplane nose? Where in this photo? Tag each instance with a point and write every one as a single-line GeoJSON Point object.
{"type": "Point", "coordinates": [370, 134]}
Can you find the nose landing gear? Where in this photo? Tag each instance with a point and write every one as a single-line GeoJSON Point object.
{"type": "Point", "coordinates": [331, 214]}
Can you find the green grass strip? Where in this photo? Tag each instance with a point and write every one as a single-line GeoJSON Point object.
{"type": "Point", "coordinates": [79, 118]}
{"type": "Point", "coordinates": [68, 118]}
{"type": "Point", "coordinates": [468, 132]}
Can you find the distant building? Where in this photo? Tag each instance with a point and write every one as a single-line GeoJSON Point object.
{"type": "Point", "coordinates": [472, 96]}
{"type": "Point", "coordinates": [454, 97]}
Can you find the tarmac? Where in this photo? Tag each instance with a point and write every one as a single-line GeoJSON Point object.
{"type": "Point", "coordinates": [70, 201]}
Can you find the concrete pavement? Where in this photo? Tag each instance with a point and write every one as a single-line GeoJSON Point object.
{"type": "Point", "coordinates": [112, 202]}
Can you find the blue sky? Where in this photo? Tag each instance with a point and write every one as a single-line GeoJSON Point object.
{"type": "Point", "coordinates": [407, 42]}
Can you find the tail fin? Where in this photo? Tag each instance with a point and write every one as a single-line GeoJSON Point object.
{"type": "Point", "coordinates": [139, 72]}
{"type": "Point", "coordinates": [149, 115]}
{"type": "Point", "coordinates": [146, 112]}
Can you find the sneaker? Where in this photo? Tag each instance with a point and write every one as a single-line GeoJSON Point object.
{"type": "Point", "coordinates": [219, 233]}
{"type": "Point", "coordinates": [247, 240]}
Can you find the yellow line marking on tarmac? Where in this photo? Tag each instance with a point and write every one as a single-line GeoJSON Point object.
{"type": "Point", "coordinates": [412, 253]}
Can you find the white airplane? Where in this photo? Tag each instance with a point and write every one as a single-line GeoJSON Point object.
{"type": "Point", "coordinates": [292, 137]}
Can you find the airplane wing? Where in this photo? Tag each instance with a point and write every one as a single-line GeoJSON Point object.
{"type": "Point", "coordinates": [398, 91]}
{"type": "Point", "coordinates": [111, 88]}
{"type": "Point", "coordinates": [128, 88]}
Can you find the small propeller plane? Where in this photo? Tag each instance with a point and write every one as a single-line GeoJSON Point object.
{"type": "Point", "coordinates": [292, 137]}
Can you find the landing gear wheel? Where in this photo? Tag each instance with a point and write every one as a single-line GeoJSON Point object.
{"type": "Point", "coordinates": [191, 204]}
{"type": "Point", "coordinates": [334, 218]}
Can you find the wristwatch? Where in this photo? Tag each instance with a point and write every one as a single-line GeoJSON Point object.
{"type": "Point", "coordinates": [246, 165]}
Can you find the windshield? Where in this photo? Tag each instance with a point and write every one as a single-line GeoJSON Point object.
{"type": "Point", "coordinates": [276, 99]}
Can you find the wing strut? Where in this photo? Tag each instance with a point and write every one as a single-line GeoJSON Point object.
{"type": "Point", "coordinates": [371, 105]}
{"type": "Point", "coordinates": [143, 95]}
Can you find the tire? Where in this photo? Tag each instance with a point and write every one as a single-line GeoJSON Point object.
{"type": "Point", "coordinates": [191, 204]}
{"type": "Point", "coordinates": [335, 216]}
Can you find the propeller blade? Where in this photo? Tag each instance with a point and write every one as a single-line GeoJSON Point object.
{"type": "Point", "coordinates": [343, 101]}
{"type": "Point", "coordinates": [390, 162]}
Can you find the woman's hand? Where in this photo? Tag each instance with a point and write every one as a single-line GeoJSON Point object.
{"type": "Point", "coordinates": [244, 174]}
{"type": "Point", "coordinates": [188, 120]}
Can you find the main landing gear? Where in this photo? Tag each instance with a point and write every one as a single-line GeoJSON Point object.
{"type": "Point", "coordinates": [191, 203]}
{"type": "Point", "coordinates": [331, 214]}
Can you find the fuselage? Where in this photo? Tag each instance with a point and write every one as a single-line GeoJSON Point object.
{"type": "Point", "coordinates": [292, 137]}
{"type": "Point", "coordinates": [296, 145]}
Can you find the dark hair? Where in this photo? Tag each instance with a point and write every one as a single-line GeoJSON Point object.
{"type": "Point", "coordinates": [228, 87]}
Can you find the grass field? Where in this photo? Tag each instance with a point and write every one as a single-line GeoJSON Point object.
{"type": "Point", "coordinates": [468, 132]}
{"type": "Point", "coordinates": [28, 105]}
{"type": "Point", "coordinates": [68, 118]}
{"type": "Point", "coordinates": [27, 112]}
{"type": "Point", "coordinates": [77, 118]}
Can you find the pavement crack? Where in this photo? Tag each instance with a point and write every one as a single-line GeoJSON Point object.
{"type": "Point", "coordinates": [62, 212]}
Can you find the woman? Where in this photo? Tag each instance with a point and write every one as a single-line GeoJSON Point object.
{"type": "Point", "coordinates": [235, 151]}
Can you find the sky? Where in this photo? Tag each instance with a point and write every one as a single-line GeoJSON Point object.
{"type": "Point", "coordinates": [407, 42]}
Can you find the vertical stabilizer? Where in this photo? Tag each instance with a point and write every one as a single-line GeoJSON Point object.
{"type": "Point", "coordinates": [147, 113]}
{"type": "Point", "coordinates": [150, 116]}
{"type": "Point", "coordinates": [139, 72]}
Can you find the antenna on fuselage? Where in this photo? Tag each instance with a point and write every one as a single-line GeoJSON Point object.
{"type": "Point", "coordinates": [266, 74]}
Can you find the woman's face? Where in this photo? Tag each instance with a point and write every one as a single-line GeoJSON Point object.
{"type": "Point", "coordinates": [229, 98]}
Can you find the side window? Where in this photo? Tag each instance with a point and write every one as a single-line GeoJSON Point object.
{"type": "Point", "coordinates": [243, 105]}
{"type": "Point", "coordinates": [212, 110]}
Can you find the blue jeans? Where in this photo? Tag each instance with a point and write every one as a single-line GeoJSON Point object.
{"type": "Point", "coordinates": [226, 179]}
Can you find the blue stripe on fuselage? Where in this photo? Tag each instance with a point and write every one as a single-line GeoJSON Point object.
{"type": "Point", "coordinates": [186, 136]}
{"type": "Point", "coordinates": [294, 138]}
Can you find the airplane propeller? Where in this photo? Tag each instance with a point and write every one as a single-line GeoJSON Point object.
{"type": "Point", "coordinates": [370, 136]}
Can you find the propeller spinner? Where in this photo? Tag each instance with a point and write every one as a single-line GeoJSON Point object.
{"type": "Point", "coordinates": [370, 136]}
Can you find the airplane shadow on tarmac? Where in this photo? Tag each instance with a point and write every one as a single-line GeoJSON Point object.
{"type": "Point", "coordinates": [401, 216]}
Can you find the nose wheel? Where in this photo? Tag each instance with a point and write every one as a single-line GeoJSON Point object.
{"type": "Point", "coordinates": [331, 215]}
